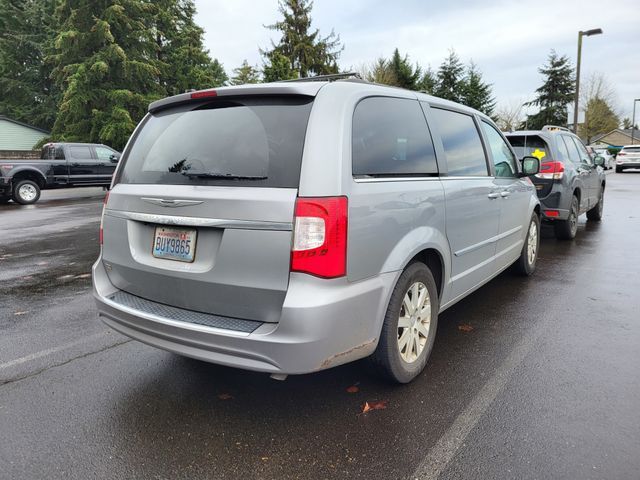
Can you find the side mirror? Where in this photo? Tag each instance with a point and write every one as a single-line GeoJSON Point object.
{"type": "Point", "coordinates": [599, 160]}
{"type": "Point", "coordinates": [530, 166]}
{"type": "Point", "coordinates": [114, 157]}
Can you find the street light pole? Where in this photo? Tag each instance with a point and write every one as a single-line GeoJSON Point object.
{"type": "Point", "coordinates": [587, 33]}
{"type": "Point", "coordinates": [633, 120]}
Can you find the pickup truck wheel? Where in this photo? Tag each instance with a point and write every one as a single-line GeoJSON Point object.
{"type": "Point", "coordinates": [409, 327]}
{"type": "Point", "coordinates": [567, 229]}
{"type": "Point", "coordinates": [26, 192]}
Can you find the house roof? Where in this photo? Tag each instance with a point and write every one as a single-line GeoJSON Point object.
{"type": "Point", "coordinates": [2, 117]}
{"type": "Point", "coordinates": [626, 132]}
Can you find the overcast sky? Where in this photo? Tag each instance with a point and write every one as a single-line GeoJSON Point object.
{"type": "Point", "coordinates": [508, 40]}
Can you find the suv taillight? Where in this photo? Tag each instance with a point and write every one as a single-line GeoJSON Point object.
{"type": "Point", "coordinates": [104, 205]}
{"type": "Point", "coordinates": [551, 170]}
{"type": "Point", "coordinates": [320, 237]}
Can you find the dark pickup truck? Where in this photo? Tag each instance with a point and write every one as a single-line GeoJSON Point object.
{"type": "Point", "coordinates": [61, 165]}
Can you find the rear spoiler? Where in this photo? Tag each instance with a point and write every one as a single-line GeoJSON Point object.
{"type": "Point", "coordinates": [301, 88]}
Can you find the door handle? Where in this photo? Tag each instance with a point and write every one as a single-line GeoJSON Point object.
{"type": "Point", "coordinates": [493, 195]}
{"type": "Point", "coordinates": [505, 194]}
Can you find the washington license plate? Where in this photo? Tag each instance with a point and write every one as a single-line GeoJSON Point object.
{"type": "Point", "coordinates": [174, 244]}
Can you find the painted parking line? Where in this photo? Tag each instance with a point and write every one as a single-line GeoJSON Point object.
{"type": "Point", "coordinates": [52, 351]}
{"type": "Point", "coordinates": [450, 442]}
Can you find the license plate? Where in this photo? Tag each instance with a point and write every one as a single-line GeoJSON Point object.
{"type": "Point", "coordinates": [174, 244]}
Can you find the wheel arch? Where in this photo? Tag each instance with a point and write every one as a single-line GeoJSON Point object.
{"type": "Point", "coordinates": [29, 174]}
{"type": "Point", "coordinates": [427, 245]}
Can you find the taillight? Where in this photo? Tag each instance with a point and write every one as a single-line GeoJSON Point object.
{"type": "Point", "coordinates": [320, 237]}
{"type": "Point", "coordinates": [204, 94]}
{"type": "Point", "coordinates": [551, 170]}
{"type": "Point", "coordinates": [104, 205]}
{"type": "Point", "coordinates": [621, 154]}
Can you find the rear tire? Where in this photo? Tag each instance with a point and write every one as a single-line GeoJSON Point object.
{"type": "Point", "coordinates": [409, 328]}
{"type": "Point", "coordinates": [526, 264]}
{"type": "Point", "coordinates": [595, 214]}
{"type": "Point", "coordinates": [567, 229]}
{"type": "Point", "coordinates": [26, 192]}
{"type": "Point", "coordinates": [619, 170]}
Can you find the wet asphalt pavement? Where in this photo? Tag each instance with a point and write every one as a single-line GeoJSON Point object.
{"type": "Point", "coordinates": [542, 380]}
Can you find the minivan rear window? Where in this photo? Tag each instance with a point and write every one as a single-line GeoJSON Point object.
{"type": "Point", "coordinates": [390, 138]}
{"type": "Point", "coordinates": [249, 141]}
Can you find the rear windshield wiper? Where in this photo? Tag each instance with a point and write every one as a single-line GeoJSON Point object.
{"type": "Point", "coordinates": [223, 176]}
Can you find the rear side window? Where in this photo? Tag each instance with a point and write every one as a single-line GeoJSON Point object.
{"type": "Point", "coordinates": [631, 149]}
{"type": "Point", "coordinates": [390, 137]}
{"type": "Point", "coordinates": [80, 152]}
{"type": "Point", "coordinates": [461, 142]}
{"type": "Point", "coordinates": [251, 141]}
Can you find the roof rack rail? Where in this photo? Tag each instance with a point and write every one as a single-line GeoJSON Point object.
{"type": "Point", "coordinates": [326, 78]}
{"type": "Point", "coordinates": [551, 128]}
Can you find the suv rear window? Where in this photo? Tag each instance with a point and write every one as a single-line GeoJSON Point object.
{"type": "Point", "coordinates": [631, 149]}
{"type": "Point", "coordinates": [529, 145]}
{"type": "Point", "coordinates": [250, 141]}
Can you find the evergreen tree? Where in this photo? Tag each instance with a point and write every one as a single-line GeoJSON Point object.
{"type": "Point", "coordinates": [450, 79]}
{"type": "Point", "coordinates": [308, 53]}
{"type": "Point", "coordinates": [245, 73]}
{"type": "Point", "coordinates": [554, 94]}
{"type": "Point", "coordinates": [405, 74]}
{"type": "Point", "coordinates": [104, 62]}
{"type": "Point", "coordinates": [381, 72]}
{"type": "Point", "coordinates": [26, 35]}
{"type": "Point", "coordinates": [475, 92]}
{"type": "Point", "coordinates": [277, 67]}
{"type": "Point", "coordinates": [428, 82]}
{"type": "Point", "coordinates": [599, 118]}
{"type": "Point", "coordinates": [183, 61]}
{"type": "Point", "coordinates": [626, 124]}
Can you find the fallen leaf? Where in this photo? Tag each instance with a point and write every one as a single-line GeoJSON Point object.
{"type": "Point", "coordinates": [225, 396]}
{"type": "Point", "coordinates": [381, 405]}
{"type": "Point", "coordinates": [353, 389]}
{"type": "Point", "coordinates": [465, 327]}
{"type": "Point", "coordinates": [264, 459]}
{"type": "Point", "coordinates": [21, 313]}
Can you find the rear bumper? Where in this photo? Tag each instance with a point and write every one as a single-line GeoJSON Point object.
{"type": "Point", "coordinates": [623, 164]}
{"type": "Point", "coordinates": [324, 323]}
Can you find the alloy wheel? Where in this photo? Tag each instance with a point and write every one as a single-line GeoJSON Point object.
{"type": "Point", "coordinates": [532, 243]}
{"type": "Point", "coordinates": [414, 322]}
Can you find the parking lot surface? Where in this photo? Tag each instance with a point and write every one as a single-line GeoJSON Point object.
{"type": "Point", "coordinates": [530, 378]}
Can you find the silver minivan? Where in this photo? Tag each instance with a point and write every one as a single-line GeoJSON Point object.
{"type": "Point", "coordinates": [292, 227]}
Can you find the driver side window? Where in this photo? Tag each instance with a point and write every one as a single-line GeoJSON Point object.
{"type": "Point", "coordinates": [503, 159]}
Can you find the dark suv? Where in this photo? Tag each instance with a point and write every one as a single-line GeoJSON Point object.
{"type": "Point", "coordinates": [570, 181]}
